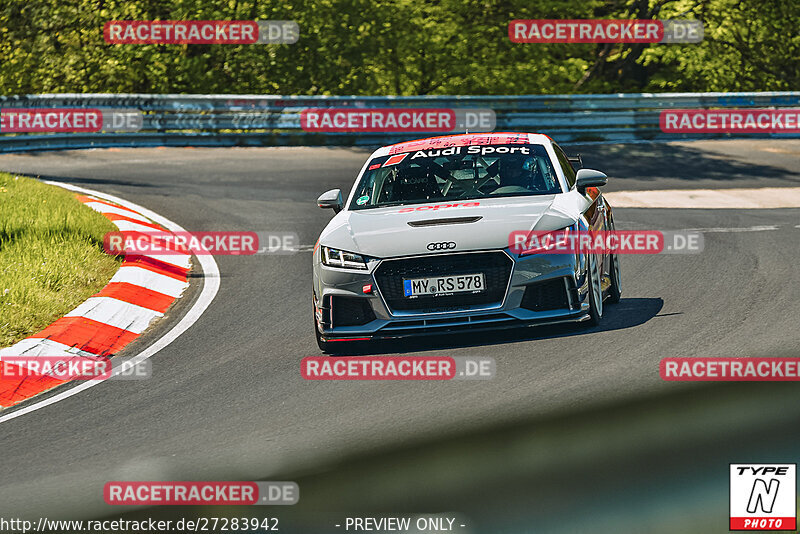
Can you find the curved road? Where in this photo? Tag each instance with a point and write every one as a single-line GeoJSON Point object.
{"type": "Point", "coordinates": [226, 400]}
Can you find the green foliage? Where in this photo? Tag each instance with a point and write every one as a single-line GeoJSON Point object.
{"type": "Point", "coordinates": [51, 256]}
{"type": "Point", "coordinates": [749, 45]}
{"type": "Point", "coordinates": [401, 47]}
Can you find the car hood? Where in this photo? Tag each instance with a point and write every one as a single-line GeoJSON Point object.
{"type": "Point", "coordinates": [472, 225]}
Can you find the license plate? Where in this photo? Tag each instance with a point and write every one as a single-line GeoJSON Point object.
{"type": "Point", "coordinates": [444, 285]}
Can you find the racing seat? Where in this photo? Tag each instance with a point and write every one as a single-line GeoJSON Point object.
{"type": "Point", "coordinates": [415, 183]}
{"type": "Point", "coordinates": [522, 179]}
{"type": "Point", "coordinates": [522, 174]}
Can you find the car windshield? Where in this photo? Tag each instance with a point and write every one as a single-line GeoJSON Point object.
{"type": "Point", "coordinates": [456, 173]}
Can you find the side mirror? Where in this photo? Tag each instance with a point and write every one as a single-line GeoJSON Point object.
{"type": "Point", "coordinates": [331, 199]}
{"type": "Point", "coordinates": [589, 178]}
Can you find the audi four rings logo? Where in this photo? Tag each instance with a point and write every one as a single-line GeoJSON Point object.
{"type": "Point", "coordinates": [444, 245]}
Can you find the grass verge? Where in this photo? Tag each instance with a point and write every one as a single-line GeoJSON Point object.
{"type": "Point", "coordinates": [51, 255]}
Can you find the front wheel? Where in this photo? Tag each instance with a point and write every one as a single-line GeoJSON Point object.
{"type": "Point", "coordinates": [595, 292]}
{"type": "Point", "coordinates": [321, 343]}
{"type": "Point", "coordinates": [615, 289]}
{"type": "Point", "coordinates": [332, 348]}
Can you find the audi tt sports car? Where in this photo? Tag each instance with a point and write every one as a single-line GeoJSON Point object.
{"type": "Point", "coordinates": [421, 244]}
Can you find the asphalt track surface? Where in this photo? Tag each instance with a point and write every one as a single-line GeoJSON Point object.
{"type": "Point", "coordinates": [226, 400]}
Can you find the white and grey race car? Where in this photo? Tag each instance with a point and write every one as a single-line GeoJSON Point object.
{"type": "Point", "coordinates": [422, 243]}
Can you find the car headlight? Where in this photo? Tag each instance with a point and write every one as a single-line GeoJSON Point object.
{"type": "Point", "coordinates": [547, 242]}
{"type": "Point", "coordinates": [339, 258]}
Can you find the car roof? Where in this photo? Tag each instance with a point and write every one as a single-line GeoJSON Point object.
{"type": "Point", "coordinates": [444, 141]}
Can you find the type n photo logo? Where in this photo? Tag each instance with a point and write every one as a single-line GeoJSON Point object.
{"type": "Point", "coordinates": [763, 496]}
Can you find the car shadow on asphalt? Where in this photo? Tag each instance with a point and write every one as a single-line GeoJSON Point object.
{"type": "Point", "coordinates": [628, 313]}
{"type": "Point", "coordinates": [638, 166]}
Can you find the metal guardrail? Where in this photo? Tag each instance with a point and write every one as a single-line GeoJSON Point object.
{"type": "Point", "coordinates": [257, 120]}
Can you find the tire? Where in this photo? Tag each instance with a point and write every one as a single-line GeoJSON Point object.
{"type": "Point", "coordinates": [595, 293]}
{"type": "Point", "coordinates": [323, 345]}
{"type": "Point", "coordinates": [337, 347]}
{"type": "Point", "coordinates": [615, 290]}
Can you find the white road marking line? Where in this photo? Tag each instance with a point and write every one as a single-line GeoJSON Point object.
{"type": "Point", "coordinates": [211, 281]}
{"type": "Point", "coordinates": [630, 225]}
{"type": "Point", "coordinates": [765, 228]}
{"type": "Point", "coordinates": [161, 283]}
{"type": "Point", "coordinates": [760, 198]}
{"type": "Point", "coordinates": [117, 313]}
{"type": "Point", "coordinates": [778, 150]}
{"type": "Point", "coordinates": [303, 248]}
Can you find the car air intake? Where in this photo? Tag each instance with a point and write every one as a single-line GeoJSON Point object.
{"type": "Point", "coordinates": [495, 266]}
{"type": "Point", "coordinates": [442, 222]}
{"type": "Point", "coordinates": [350, 311]}
{"type": "Point", "coordinates": [544, 296]}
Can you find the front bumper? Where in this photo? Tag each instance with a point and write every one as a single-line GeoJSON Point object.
{"type": "Point", "coordinates": [540, 289]}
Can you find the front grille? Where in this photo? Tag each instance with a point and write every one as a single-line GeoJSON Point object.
{"type": "Point", "coordinates": [495, 266]}
{"type": "Point", "coordinates": [543, 296]}
{"type": "Point", "coordinates": [349, 311]}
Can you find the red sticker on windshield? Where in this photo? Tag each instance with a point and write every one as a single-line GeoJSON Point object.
{"type": "Point", "coordinates": [394, 160]}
